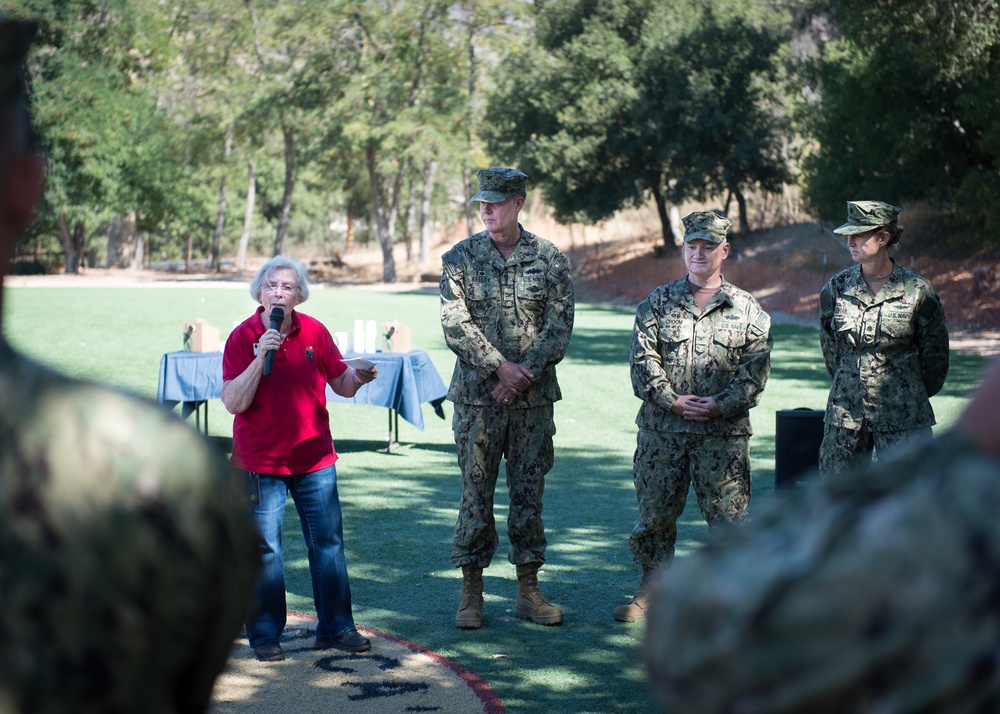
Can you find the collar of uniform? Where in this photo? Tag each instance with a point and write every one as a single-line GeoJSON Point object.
{"type": "Point", "coordinates": [679, 290]}
{"type": "Point", "coordinates": [486, 251]}
{"type": "Point", "coordinates": [892, 288]}
{"type": "Point", "coordinates": [856, 286]}
{"type": "Point", "coordinates": [526, 246]}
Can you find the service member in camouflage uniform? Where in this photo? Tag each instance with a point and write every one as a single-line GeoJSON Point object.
{"type": "Point", "coordinates": [873, 592]}
{"type": "Point", "coordinates": [507, 312]}
{"type": "Point", "coordinates": [701, 354]}
{"type": "Point", "coordinates": [126, 552]}
{"type": "Point", "coordinates": [885, 344]}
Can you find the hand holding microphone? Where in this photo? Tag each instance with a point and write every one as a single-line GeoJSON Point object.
{"type": "Point", "coordinates": [277, 317]}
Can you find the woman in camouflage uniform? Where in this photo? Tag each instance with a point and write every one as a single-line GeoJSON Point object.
{"type": "Point", "coordinates": [885, 345]}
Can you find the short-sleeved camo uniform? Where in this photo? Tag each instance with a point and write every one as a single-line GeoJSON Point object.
{"type": "Point", "coordinates": [887, 355]}
{"type": "Point", "coordinates": [494, 311]}
{"type": "Point", "coordinates": [126, 552]}
{"type": "Point", "coordinates": [723, 352]}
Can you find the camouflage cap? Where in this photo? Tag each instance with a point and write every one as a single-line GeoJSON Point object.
{"type": "Point", "coordinates": [706, 225]}
{"type": "Point", "coordinates": [16, 37]}
{"type": "Point", "coordinates": [863, 216]}
{"type": "Point", "coordinates": [499, 184]}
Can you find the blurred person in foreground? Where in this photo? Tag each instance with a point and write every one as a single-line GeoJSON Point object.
{"type": "Point", "coordinates": [701, 355]}
{"type": "Point", "coordinates": [885, 345]}
{"type": "Point", "coordinates": [873, 592]}
{"type": "Point", "coordinates": [126, 554]}
{"type": "Point", "coordinates": [282, 442]}
{"type": "Point", "coordinates": [507, 313]}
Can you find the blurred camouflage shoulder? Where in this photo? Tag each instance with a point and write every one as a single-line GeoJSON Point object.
{"type": "Point", "coordinates": [844, 596]}
{"type": "Point", "coordinates": [126, 547]}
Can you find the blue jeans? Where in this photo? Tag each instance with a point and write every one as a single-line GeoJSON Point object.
{"type": "Point", "coordinates": [318, 505]}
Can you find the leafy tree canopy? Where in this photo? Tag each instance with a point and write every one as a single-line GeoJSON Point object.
{"type": "Point", "coordinates": [909, 108]}
{"type": "Point", "coordinates": [618, 101]}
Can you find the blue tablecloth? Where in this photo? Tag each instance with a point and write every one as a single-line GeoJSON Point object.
{"type": "Point", "coordinates": [405, 381]}
{"type": "Point", "coordinates": [189, 378]}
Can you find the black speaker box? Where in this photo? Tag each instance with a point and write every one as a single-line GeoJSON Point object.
{"type": "Point", "coordinates": [798, 434]}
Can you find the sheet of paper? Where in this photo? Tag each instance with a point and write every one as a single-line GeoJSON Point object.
{"type": "Point", "coordinates": [359, 362]}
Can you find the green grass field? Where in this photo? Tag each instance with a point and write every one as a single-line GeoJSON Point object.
{"type": "Point", "coordinates": [400, 507]}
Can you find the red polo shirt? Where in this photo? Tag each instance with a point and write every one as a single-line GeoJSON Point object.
{"type": "Point", "coordinates": [286, 429]}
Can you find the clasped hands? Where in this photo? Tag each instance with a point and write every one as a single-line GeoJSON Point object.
{"type": "Point", "coordinates": [514, 379]}
{"type": "Point", "coordinates": [695, 408]}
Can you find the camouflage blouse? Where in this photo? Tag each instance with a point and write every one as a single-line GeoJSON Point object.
{"type": "Point", "coordinates": [887, 354]}
{"type": "Point", "coordinates": [518, 310]}
{"type": "Point", "coordinates": [722, 352]}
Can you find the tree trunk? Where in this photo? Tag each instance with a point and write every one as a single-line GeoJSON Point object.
{"type": "Point", "coordinates": [741, 201]}
{"type": "Point", "coordinates": [676, 225]}
{"type": "Point", "coordinates": [286, 201]}
{"type": "Point", "coordinates": [220, 221]}
{"type": "Point", "coordinates": [220, 214]}
{"type": "Point", "coordinates": [393, 215]}
{"type": "Point", "coordinates": [662, 210]}
{"type": "Point", "coordinates": [407, 238]}
{"type": "Point", "coordinates": [241, 251]}
{"type": "Point", "coordinates": [470, 225]}
{"type": "Point", "coordinates": [381, 224]}
{"type": "Point", "coordinates": [123, 242]}
{"type": "Point", "coordinates": [116, 242]}
{"type": "Point", "coordinates": [72, 243]}
{"type": "Point", "coordinates": [424, 220]}
{"type": "Point", "coordinates": [139, 260]}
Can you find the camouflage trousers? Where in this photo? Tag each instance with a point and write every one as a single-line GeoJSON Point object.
{"type": "Point", "coordinates": [845, 450]}
{"type": "Point", "coordinates": [485, 435]}
{"type": "Point", "coordinates": [665, 466]}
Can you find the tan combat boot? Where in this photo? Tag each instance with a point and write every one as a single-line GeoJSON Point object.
{"type": "Point", "coordinates": [635, 609]}
{"type": "Point", "coordinates": [470, 609]}
{"type": "Point", "coordinates": [531, 604]}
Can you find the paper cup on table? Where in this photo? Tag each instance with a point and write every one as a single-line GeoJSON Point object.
{"type": "Point", "coordinates": [359, 336]}
{"type": "Point", "coordinates": [340, 339]}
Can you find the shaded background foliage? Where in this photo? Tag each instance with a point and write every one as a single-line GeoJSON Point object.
{"type": "Point", "coordinates": [225, 128]}
{"type": "Point", "coordinates": [906, 110]}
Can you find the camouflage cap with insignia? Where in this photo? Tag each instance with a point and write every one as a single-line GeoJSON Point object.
{"type": "Point", "coordinates": [499, 184]}
{"type": "Point", "coordinates": [864, 216]}
{"type": "Point", "coordinates": [16, 37]}
{"type": "Point", "coordinates": [706, 225]}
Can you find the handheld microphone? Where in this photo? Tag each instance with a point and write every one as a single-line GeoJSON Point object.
{"type": "Point", "coordinates": [277, 317]}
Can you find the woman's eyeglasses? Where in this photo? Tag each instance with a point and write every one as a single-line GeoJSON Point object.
{"type": "Point", "coordinates": [283, 288]}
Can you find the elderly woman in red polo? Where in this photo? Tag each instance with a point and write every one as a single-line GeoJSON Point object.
{"type": "Point", "coordinates": [282, 441]}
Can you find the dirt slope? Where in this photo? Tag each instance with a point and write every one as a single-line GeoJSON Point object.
{"type": "Point", "coordinates": [785, 268]}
